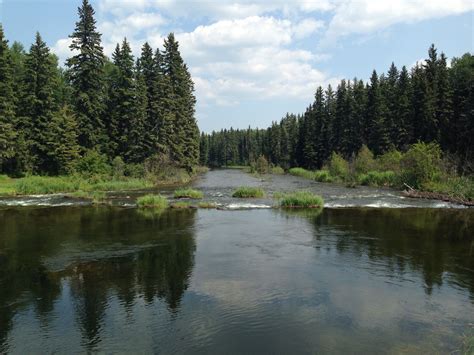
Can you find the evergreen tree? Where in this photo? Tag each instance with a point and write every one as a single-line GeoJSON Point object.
{"type": "Point", "coordinates": [378, 140]}
{"type": "Point", "coordinates": [444, 108]}
{"type": "Point", "coordinates": [404, 127]}
{"type": "Point", "coordinates": [7, 108]}
{"type": "Point", "coordinates": [86, 73]}
{"type": "Point", "coordinates": [62, 145]}
{"type": "Point", "coordinates": [38, 103]}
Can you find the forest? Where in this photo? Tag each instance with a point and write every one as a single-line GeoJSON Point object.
{"type": "Point", "coordinates": [431, 103]}
{"type": "Point", "coordinates": [96, 112]}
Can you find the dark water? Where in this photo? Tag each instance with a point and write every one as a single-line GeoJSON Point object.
{"type": "Point", "coordinates": [79, 279]}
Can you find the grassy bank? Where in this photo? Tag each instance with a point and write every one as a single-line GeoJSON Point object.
{"type": "Point", "coordinates": [421, 169]}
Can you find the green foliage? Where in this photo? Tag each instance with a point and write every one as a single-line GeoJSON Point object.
{"type": "Point", "coordinates": [390, 160]}
{"type": "Point", "coordinates": [248, 192]}
{"type": "Point", "coordinates": [375, 178]}
{"type": "Point", "coordinates": [302, 173]}
{"type": "Point", "coordinates": [364, 161]}
{"type": "Point", "coordinates": [181, 205]}
{"type": "Point", "coordinates": [93, 163]}
{"type": "Point", "coordinates": [188, 193]}
{"type": "Point", "coordinates": [118, 168]}
{"type": "Point", "coordinates": [458, 187]}
{"type": "Point", "coordinates": [301, 199]}
{"type": "Point", "coordinates": [278, 170]}
{"type": "Point", "coordinates": [421, 164]}
{"type": "Point", "coordinates": [261, 165]}
{"type": "Point", "coordinates": [338, 167]}
{"type": "Point", "coordinates": [323, 176]}
{"type": "Point", "coordinates": [152, 201]}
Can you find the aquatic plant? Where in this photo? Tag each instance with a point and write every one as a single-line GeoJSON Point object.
{"type": "Point", "coordinates": [247, 192]}
{"type": "Point", "coordinates": [301, 199]}
{"type": "Point", "coordinates": [188, 193]}
{"type": "Point", "coordinates": [152, 201]}
{"type": "Point", "coordinates": [181, 205]}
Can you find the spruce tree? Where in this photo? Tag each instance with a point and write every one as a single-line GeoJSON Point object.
{"type": "Point", "coordinates": [86, 73]}
{"type": "Point", "coordinates": [376, 113]}
{"type": "Point", "coordinates": [7, 108]}
{"type": "Point", "coordinates": [38, 103]}
{"type": "Point", "coordinates": [404, 127]}
{"type": "Point", "coordinates": [444, 108]}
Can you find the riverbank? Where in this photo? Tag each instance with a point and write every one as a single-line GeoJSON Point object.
{"type": "Point", "coordinates": [83, 185]}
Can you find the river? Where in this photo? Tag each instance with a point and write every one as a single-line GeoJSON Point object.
{"type": "Point", "coordinates": [373, 272]}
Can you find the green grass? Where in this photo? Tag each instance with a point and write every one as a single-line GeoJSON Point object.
{"type": "Point", "coordinates": [376, 178]}
{"type": "Point", "coordinates": [458, 187]}
{"type": "Point", "coordinates": [152, 201]}
{"type": "Point", "coordinates": [247, 192]}
{"type": "Point", "coordinates": [301, 199]}
{"type": "Point", "coordinates": [277, 170]}
{"type": "Point", "coordinates": [188, 193]}
{"type": "Point", "coordinates": [207, 205]}
{"type": "Point", "coordinates": [97, 197]}
{"type": "Point", "coordinates": [307, 174]}
{"type": "Point", "coordinates": [323, 176]}
{"type": "Point", "coordinates": [41, 185]}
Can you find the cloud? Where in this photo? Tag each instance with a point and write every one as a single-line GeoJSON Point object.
{"type": "Point", "coordinates": [366, 16]}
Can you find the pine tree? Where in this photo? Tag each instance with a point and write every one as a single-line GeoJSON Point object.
{"type": "Point", "coordinates": [7, 108]}
{"type": "Point", "coordinates": [390, 96]}
{"type": "Point", "coordinates": [86, 72]}
{"type": "Point", "coordinates": [404, 127]}
{"type": "Point", "coordinates": [444, 108]}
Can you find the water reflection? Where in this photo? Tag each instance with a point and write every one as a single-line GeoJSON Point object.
{"type": "Point", "coordinates": [96, 254]}
{"type": "Point", "coordinates": [437, 244]}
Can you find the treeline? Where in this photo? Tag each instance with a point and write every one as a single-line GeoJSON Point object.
{"type": "Point", "coordinates": [124, 108]}
{"type": "Point", "coordinates": [433, 102]}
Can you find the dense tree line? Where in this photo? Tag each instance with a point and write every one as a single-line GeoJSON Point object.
{"type": "Point", "coordinates": [124, 107]}
{"type": "Point", "coordinates": [431, 103]}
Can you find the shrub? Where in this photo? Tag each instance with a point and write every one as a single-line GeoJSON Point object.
{"type": "Point", "coordinates": [364, 161]}
{"type": "Point", "coordinates": [301, 199]}
{"type": "Point", "coordinates": [421, 164]}
{"type": "Point", "coordinates": [277, 170]}
{"type": "Point", "coordinates": [247, 192]}
{"type": "Point", "coordinates": [188, 193]}
{"type": "Point", "coordinates": [338, 166]}
{"type": "Point", "coordinates": [118, 168]}
{"type": "Point", "coordinates": [261, 165]}
{"type": "Point", "coordinates": [302, 173]}
{"type": "Point", "coordinates": [376, 178]}
{"type": "Point", "coordinates": [93, 163]}
{"type": "Point", "coordinates": [152, 201]}
{"type": "Point", "coordinates": [134, 170]}
{"type": "Point", "coordinates": [390, 161]}
{"type": "Point", "coordinates": [323, 176]}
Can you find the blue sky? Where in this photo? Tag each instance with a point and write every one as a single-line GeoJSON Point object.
{"type": "Point", "coordinates": [253, 61]}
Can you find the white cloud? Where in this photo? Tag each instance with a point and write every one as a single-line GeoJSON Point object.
{"type": "Point", "coordinates": [366, 16]}
{"type": "Point", "coordinates": [61, 49]}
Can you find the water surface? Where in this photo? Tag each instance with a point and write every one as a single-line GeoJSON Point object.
{"type": "Point", "coordinates": [239, 280]}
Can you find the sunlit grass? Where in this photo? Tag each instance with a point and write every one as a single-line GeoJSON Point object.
{"type": "Point", "coordinates": [301, 199]}
{"type": "Point", "coordinates": [188, 193]}
{"type": "Point", "coordinates": [248, 192]}
{"type": "Point", "coordinates": [209, 205]}
{"type": "Point", "coordinates": [152, 201]}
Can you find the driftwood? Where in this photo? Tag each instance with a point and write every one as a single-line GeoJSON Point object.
{"type": "Point", "coordinates": [411, 192]}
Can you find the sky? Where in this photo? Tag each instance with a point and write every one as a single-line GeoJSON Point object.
{"type": "Point", "coordinates": [254, 61]}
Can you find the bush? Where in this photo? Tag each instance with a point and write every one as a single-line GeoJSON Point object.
{"type": "Point", "coordinates": [301, 199]}
{"type": "Point", "coordinates": [152, 201]}
{"type": "Point", "coordinates": [118, 168]}
{"type": "Point", "coordinates": [134, 170]}
{"type": "Point", "coordinates": [277, 170]}
{"type": "Point", "coordinates": [93, 163]}
{"type": "Point", "coordinates": [338, 166]}
{"type": "Point", "coordinates": [364, 161]}
{"type": "Point", "coordinates": [302, 173]}
{"type": "Point", "coordinates": [376, 178]}
{"type": "Point", "coordinates": [421, 164]}
{"type": "Point", "coordinates": [247, 192]}
{"type": "Point", "coordinates": [188, 193]}
{"type": "Point", "coordinates": [323, 176]}
{"type": "Point", "coordinates": [390, 161]}
{"type": "Point", "coordinates": [261, 165]}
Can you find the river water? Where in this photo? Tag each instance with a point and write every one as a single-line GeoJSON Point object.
{"type": "Point", "coordinates": [372, 273]}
